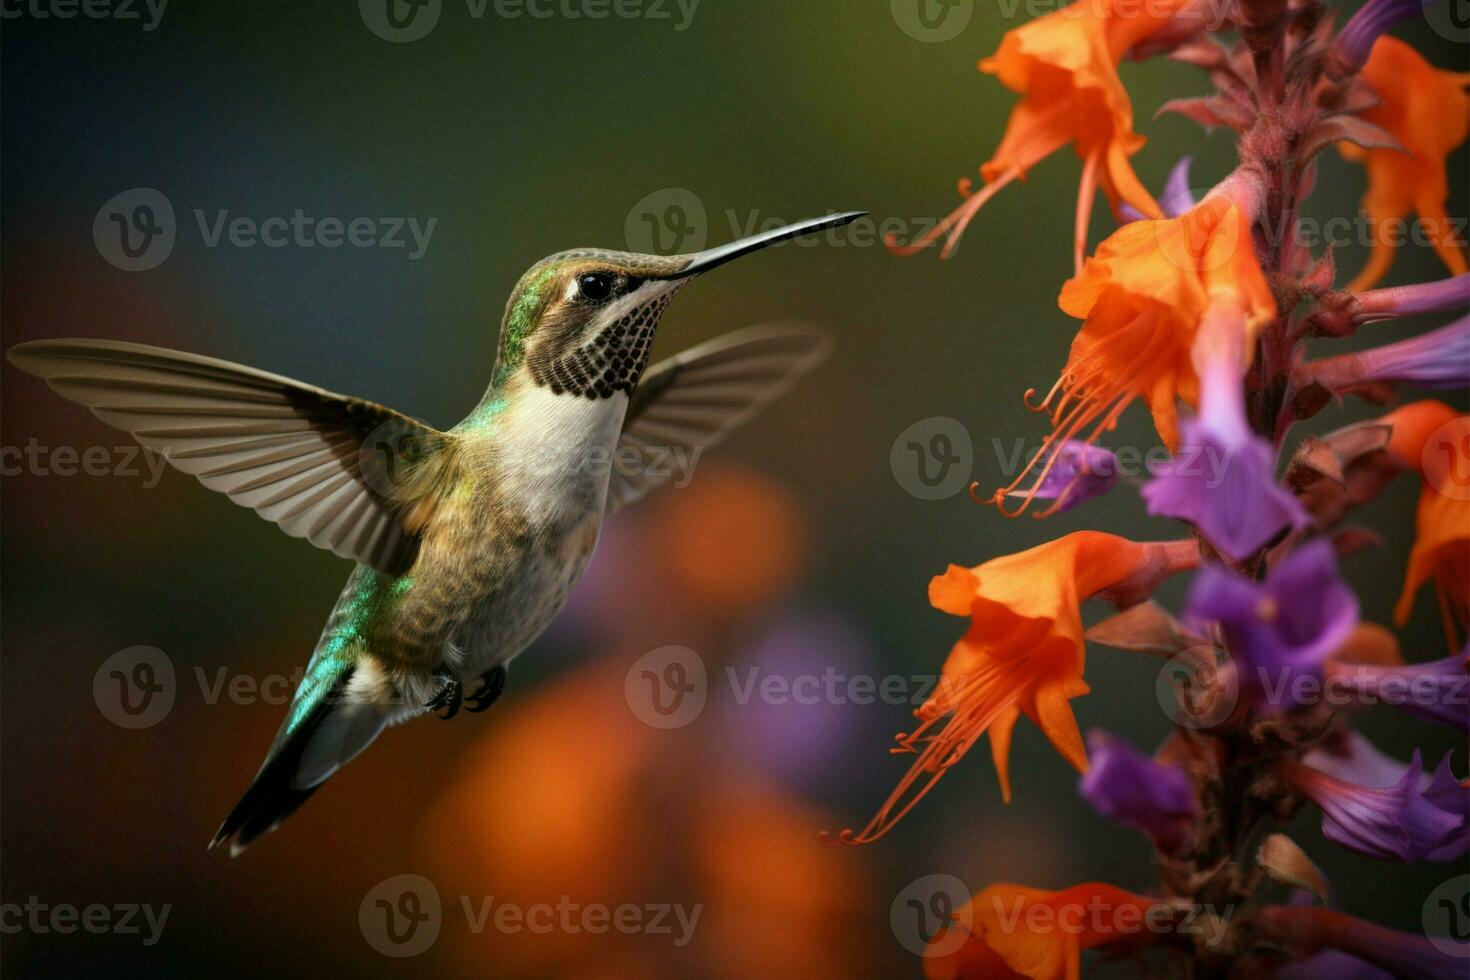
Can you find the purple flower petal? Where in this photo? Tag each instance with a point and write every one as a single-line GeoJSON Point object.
{"type": "Point", "coordinates": [1407, 821]}
{"type": "Point", "coordinates": [1227, 490]}
{"type": "Point", "coordinates": [1178, 197]}
{"type": "Point", "coordinates": [1223, 479]}
{"type": "Point", "coordinates": [1281, 630]}
{"type": "Point", "coordinates": [1128, 214]}
{"type": "Point", "coordinates": [1125, 785]}
{"type": "Point", "coordinates": [1439, 296]}
{"type": "Point", "coordinates": [1450, 795]}
{"type": "Point", "coordinates": [1353, 759]}
{"type": "Point", "coordinates": [1402, 954]}
{"type": "Point", "coordinates": [1437, 359]}
{"type": "Point", "coordinates": [1355, 40]}
{"type": "Point", "coordinates": [1437, 691]}
{"type": "Point", "coordinates": [1079, 472]}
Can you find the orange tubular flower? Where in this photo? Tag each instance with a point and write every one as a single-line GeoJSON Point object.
{"type": "Point", "coordinates": [1434, 439]}
{"type": "Point", "coordinates": [1065, 66]}
{"type": "Point", "coordinates": [1018, 931]}
{"type": "Point", "coordinates": [1142, 298]}
{"type": "Point", "coordinates": [1023, 652]}
{"type": "Point", "coordinates": [1428, 112]}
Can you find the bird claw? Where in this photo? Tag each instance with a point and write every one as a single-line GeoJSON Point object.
{"type": "Point", "coordinates": [491, 686]}
{"type": "Point", "coordinates": [450, 696]}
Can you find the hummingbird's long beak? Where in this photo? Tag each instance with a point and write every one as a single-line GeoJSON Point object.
{"type": "Point", "coordinates": [710, 258]}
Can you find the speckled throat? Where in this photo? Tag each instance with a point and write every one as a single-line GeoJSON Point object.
{"type": "Point", "coordinates": [611, 361]}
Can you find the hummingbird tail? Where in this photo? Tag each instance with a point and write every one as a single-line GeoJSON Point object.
{"type": "Point", "coordinates": [306, 753]}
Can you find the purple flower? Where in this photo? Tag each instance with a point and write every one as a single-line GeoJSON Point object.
{"type": "Point", "coordinates": [1440, 296]}
{"type": "Point", "coordinates": [1437, 691]}
{"type": "Point", "coordinates": [1437, 359]}
{"type": "Point", "coordinates": [1316, 930]}
{"type": "Point", "coordinates": [1125, 785]}
{"type": "Point", "coordinates": [1225, 488]}
{"type": "Point", "coordinates": [822, 671]}
{"type": "Point", "coordinates": [1281, 630]}
{"type": "Point", "coordinates": [1355, 40]}
{"type": "Point", "coordinates": [1176, 199]}
{"type": "Point", "coordinates": [1078, 473]}
{"type": "Point", "coordinates": [1223, 479]}
{"type": "Point", "coordinates": [1348, 756]}
{"type": "Point", "coordinates": [1417, 817]}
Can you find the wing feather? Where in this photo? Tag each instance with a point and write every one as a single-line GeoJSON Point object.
{"type": "Point", "coordinates": [301, 456]}
{"type": "Point", "coordinates": [691, 402]}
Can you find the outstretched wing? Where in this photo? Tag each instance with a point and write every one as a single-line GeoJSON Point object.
{"type": "Point", "coordinates": [348, 475]}
{"type": "Point", "coordinates": [693, 401]}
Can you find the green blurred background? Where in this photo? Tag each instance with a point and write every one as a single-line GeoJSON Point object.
{"type": "Point", "coordinates": [522, 137]}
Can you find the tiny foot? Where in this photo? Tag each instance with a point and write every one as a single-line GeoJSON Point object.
{"type": "Point", "coordinates": [491, 685]}
{"type": "Point", "coordinates": [450, 696]}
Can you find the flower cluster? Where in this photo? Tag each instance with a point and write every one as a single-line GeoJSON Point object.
{"type": "Point", "coordinates": [1202, 309]}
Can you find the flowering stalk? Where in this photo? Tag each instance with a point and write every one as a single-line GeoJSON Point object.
{"type": "Point", "coordinates": [1202, 308]}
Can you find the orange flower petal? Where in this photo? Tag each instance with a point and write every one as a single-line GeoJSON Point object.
{"type": "Point", "coordinates": [1428, 111]}
{"type": "Point", "coordinates": [1142, 298]}
{"type": "Point", "coordinates": [1023, 652]}
{"type": "Point", "coordinates": [954, 591]}
{"type": "Point", "coordinates": [1041, 934]}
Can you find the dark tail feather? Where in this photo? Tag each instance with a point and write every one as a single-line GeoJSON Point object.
{"type": "Point", "coordinates": [271, 798]}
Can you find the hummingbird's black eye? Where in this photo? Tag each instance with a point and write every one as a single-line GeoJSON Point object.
{"type": "Point", "coordinates": [595, 286]}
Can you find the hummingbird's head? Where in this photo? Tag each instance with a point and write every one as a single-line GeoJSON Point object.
{"type": "Point", "coordinates": [582, 322]}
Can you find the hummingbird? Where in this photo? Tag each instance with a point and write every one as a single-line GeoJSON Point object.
{"type": "Point", "coordinates": [467, 541]}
